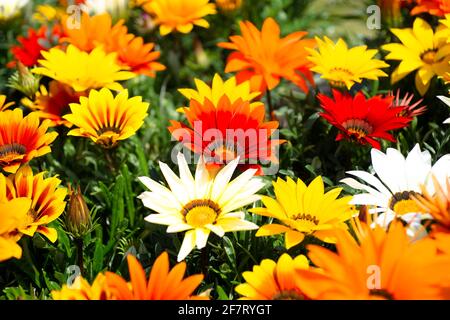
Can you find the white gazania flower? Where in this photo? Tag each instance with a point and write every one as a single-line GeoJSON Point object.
{"type": "Point", "coordinates": [447, 102]}
{"type": "Point", "coordinates": [11, 8]}
{"type": "Point", "coordinates": [397, 179]}
{"type": "Point", "coordinates": [201, 204]}
{"type": "Point", "coordinates": [118, 9]}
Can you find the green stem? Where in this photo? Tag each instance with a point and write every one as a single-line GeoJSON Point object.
{"type": "Point", "coordinates": [270, 105]}
{"type": "Point", "coordinates": [80, 260]}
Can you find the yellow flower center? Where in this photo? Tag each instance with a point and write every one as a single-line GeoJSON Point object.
{"type": "Point", "coordinates": [223, 151]}
{"type": "Point", "coordinates": [401, 203]}
{"type": "Point", "coordinates": [304, 222]}
{"type": "Point", "coordinates": [429, 56]}
{"type": "Point", "coordinates": [357, 128]}
{"type": "Point", "coordinates": [107, 136]}
{"type": "Point", "coordinates": [11, 152]}
{"type": "Point", "coordinates": [199, 213]}
{"type": "Point", "coordinates": [382, 293]}
{"type": "Point", "coordinates": [340, 73]}
{"type": "Point", "coordinates": [288, 295]}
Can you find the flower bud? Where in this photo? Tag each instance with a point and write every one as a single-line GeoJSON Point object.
{"type": "Point", "coordinates": [78, 218]}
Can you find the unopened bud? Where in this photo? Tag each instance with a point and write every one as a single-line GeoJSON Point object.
{"type": "Point", "coordinates": [24, 81]}
{"type": "Point", "coordinates": [78, 217]}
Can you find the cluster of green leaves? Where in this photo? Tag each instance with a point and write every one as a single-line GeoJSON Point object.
{"type": "Point", "coordinates": [109, 178]}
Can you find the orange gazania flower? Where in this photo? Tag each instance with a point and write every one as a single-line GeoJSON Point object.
{"type": "Point", "coordinates": [264, 58]}
{"type": "Point", "coordinates": [82, 290]}
{"type": "Point", "coordinates": [434, 7]}
{"type": "Point", "coordinates": [163, 283]}
{"type": "Point", "coordinates": [226, 131]}
{"type": "Point", "coordinates": [22, 138]}
{"type": "Point", "coordinates": [380, 265]}
{"type": "Point", "coordinates": [438, 205]}
{"type": "Point", "coordinates": [47, 199]}
{"type": "Point", "coordinates": [53, 103]}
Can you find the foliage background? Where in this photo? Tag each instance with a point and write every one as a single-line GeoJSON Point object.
{"type": "Point", "coordinates": [111, 188]}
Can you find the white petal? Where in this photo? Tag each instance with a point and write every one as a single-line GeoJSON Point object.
{"type": "Point", "coordinates": [175, 184]}
{"type": "Point", "coordinates": [370, 179]}
{"type": "Point", "coordinates": [236, 186]}
{"type": "Point", "coordinates": [180, 227]}
{"type": "Point", "coordinates": [187, 246]}
{"type": "Point", "coordinates": [185, 174]}
{"type": "Point", "coordinates": [216, 229]}
{"type": "Point", "coordinates": [359, 186]}
{"type": "Point", "coordinates": [382, 167]}
{"type": "Point", "coordinates": [240, 202]}
{"type": "Point", "coordinates": [441, 171]}
{"type": "Point", "coordinates": [233, 224]}
{"type": "Point", "coordinates": [222, 178]}
{"type": "Point", "coordinates": [201, 237]}
{"type": "Point", "coordinates": [159, 203]}
{"type": "Point", "coordinates": [164, 219]}
{"type": "Point", "coordinates": [418, 166]}
{"type": "Point", "coordinates": [368, 199]}
{"type": "Point", "coordinates": [385, 219]}
{"type": "Point", "coordinates": [203, 181]}
{"type": "Point", "coordinates": [158, 188]}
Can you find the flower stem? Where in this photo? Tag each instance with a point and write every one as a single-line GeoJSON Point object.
{"type": "Point", "coordinates": [269, 103]}
{"type": "Point", "coordinates": [79, 245]}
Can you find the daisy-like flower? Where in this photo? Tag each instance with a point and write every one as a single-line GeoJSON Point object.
{"type": "Point", "coordinates": [202, 204]}
{"type": "Point", "coordinates": [409, 109]}
{"type": "Point", "coordinates": [28, 52]}
{"type": "Point", "coordinates": [162, 284]}
{"type": "Point", "coordinates": [272, 280]}
{"type": "Point", "coordinates": [82, 290]}
{"type": "Point", "coordinates": [420, 50]}
{"type": "Point", "coordinates": [179, 15]}
{"type": "Point", "coordinates": [3, 104]}
{"type": "Point", "coordinates": [47, 199]}
{"type": "Point", "coordinates": [53, 103]}
{"type": "Point", "coordinates": [22, 138]}
{"type": "Point", "coordinates": [82, 70]}
{"type": "Point", "coordinates": [398, 179]}
{"type": "Point", "coordinates": [438, 206]}
{"type": "Point", "coordinates": [303, 210]}
{"type": "Point", "coordinates": [434, 7]}
{"type": "Point", "coordinates": [363, 120]}
{"type": "Point", "coordinates": [378, 265]}
{"type": "Point", "coordinates": [219, 88]}
{"type": "Point", "coordinates": [229, 5]}
{"type": "Point", "coordinates": [227, 131]}
{"type": "Point", "coordinates": [445, 100]}
{"type": "Point", "coordinates": [13, 215]}
{"type": "Point", "coordinates": [106, 119]}
{"type": "Point", "coordinates": [263, 58]}
{"type": "Point", "coordinates": [344, 67]}
{"type": "Point", "coordinates": [11, 8]}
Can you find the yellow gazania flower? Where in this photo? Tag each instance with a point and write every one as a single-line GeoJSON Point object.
{"type": "Point", "coordinates": [304, 210]}
{"type": "Point", "coordinates": [273, 280]}
{"type": "Point", "coordinates": [22, 138]}
{"type": "Point", "coordinates": [179, 15]}
{"type": "Point", "coordinates": [13, 215]}
{"type": "Point", "coordinates": [46, 13]}
{"type": "Point", "coordinates": [201, 205]}
{"type": "Point", "coordinates": [47, 199]}
{"type": "Point", "coordinates": [106, 119]}
{"type": "Point", "coordinates": [343, 66]}
{"type": "Point", "coordinates": [82, 70]}
{"type": "Point", "coordinates": [421, 50]}
{"type": "Point", "coordinates": [82, 290]}
{"type": "Point", "coordinates": [219, 88]}
{"type": "Point", "coordinates": [3, 105]}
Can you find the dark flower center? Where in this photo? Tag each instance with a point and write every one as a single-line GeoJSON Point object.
{"type": "Point", "coordinates": [12, 151]}
{"type": "Point", "coordinates": [199, 213]}
{"type": "Point", "coordinates": [381, 293]}
{"type": "Point", "coordinates": [402, 203]}
{"type": "Point", "coordinates": [357, 128]}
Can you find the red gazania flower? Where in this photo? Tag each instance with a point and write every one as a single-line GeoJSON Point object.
{"type": "Point", "coordinates": [229, 130]}
{"type": "Point", "coordinates": [29, 50]}
{"type": "Point", "coordinates": [363, 120]}
{"type": "Point", "coordinates": [408, 109]}
{"type": "Point", "coordinates": [264, 58]}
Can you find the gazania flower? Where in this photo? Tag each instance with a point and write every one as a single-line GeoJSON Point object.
{"type": "Point", "coordinates": [264, 58]}
{"type": "Point", "coordinates": [421, 50]}
{"type": "Point", "coordinates": [227, 131]}
{"type": "Point", "coordinates": [219, 88]}
{"type": "Point", "coordinates": [378, 265]}
{"type": "Point", "coordinates": [106, 119]}
{"type": "Point", "coordinates": [273, 280]}
{"type": "Point", "coordinates": [29, 50]}
{"type": "Point", "coordinates": [438, 205]}
{"type": "Point", "coordinates": [13, 215]}
{"type": "Point", "coordinates": [81, 70]}
{"type": "Point", "coordinates": [118, 9]}
{"type": "Point", "coordinates": [11, 8]}
{"type": "Point", "coordinates": [434, 7]}
{"type": "Point", "coordinates": [45, 13]}
{"type": "Point", "coordinates": [202, 204]}
{"type": "Point", "coordinates": [132, 52]}
{"type": "Point", "coordinates": [398, 179]}
{"type": "Point", "coordinates": [22, 138]}
{"type": "Point", "coordinates": [228, 5]}
{"type": "Point", "coordinates": [445, 100]}
{"type": "Point", "coordinates": [303, 210]}
{"type": "Point", "coordinates": [363, 120]}
{"type": "Point", "coordinates": [47, 200]}
{"type": "Point", "coordinates": [409, 109]}
{"type": "Point", "coordinates": [82, 290]}
{"type": "Point", "coordinates": [344, 67]}
{"type": "Point", "coordinates": [178, 15]}
{"type": "Point", "coordinates": [52, 104]}
{"type": "Point", "coordinates": [3, 104]}
{"type": "Point", "coordinates": [163, 283]}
